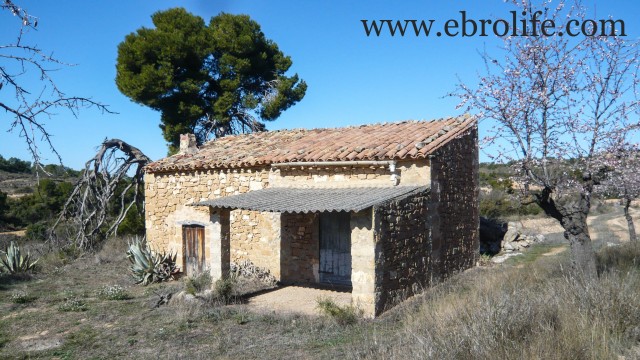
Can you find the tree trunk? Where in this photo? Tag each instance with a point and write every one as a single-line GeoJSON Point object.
{"type": "Point", "coordinates": [572, 211]}
{"type": "Point", "coordinates": [576, 232]}
{"type": "Point", "coordinates": [632, 229]}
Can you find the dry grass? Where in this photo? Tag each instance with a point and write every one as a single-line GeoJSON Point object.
{"type": "Point", "coordinates": [536, 312]}
{"type": "Point", "coordinates": [530, 309]}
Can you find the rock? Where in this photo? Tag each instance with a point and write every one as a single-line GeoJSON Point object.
{"type": "Point", "coordinates": [508, 247]}
{"type": "Point", "coordinates": [500, 259]}
{"type": "Point", "coordinates": [514, 229]}
{"type": "Point", "coordinates": [496, 236]}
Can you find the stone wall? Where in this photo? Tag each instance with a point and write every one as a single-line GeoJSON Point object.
{"type": "Point", "coordinates": [453, 207]}
{"type": "Point", "coordinates": [167, 199]}
{"type": "Point", "coordinates": [255, 236]}
{"type": "Point", "coordinates": [300, 248]}
{"type": "Point", "coordinates": [410, 172]}
{"type": "Point", "coordinates": [401, 229]}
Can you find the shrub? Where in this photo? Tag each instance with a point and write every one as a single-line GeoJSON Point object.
{"type": "Point", "coordinates": [197, 284]}
{"type": "Point", "coordinates": [249, 270]}
{"type": "Point", "coordinates": [12, 261]}
{"type": "Point", "coordinates": [485, 260]}
{"type": "Point", "coordinates": [37, 231]}
{"type": "Point", "coordinates": [499, 204]}
{"type": "Point", "coordinates": [22, 297]}
{"type": "Point", "coordinates": [225, 289]}
{"type": "Point", "coordinates": [343, 315]}
{"type": "Point", "coordinates": [113, 292]}
{"type": "Point", "coordinates": [600, 207]}
{"type": "Point", "coordinates": [624, 257]}
{"type": "Point", "coordinates": [133, 222]}
{"type": "Point", "coordinates": [68, 253]}
{"type": "Point", "coordinates": [147, 266]}
{"type": "Point", "coordinates": [73, 304]}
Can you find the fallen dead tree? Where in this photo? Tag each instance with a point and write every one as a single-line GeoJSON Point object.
{"type": "Point", "coordinates": [112, 182]}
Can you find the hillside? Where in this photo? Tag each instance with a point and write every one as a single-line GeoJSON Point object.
{"type": "Point", "coordinates": [28, 197]}
{"type": "Point", "coordinates": [16, 184]}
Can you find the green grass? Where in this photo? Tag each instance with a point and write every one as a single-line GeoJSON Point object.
{"type": "Point", "coordinates": [534, 252]}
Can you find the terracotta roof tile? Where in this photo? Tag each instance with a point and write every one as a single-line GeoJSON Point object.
{"type": "Point", "coordinates": [388, 141]}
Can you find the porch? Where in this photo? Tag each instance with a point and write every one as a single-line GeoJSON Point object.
{"type": "Point", "coordinates": [327, 236]}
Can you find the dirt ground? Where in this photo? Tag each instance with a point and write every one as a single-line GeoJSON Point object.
{"type": "Point", "coordinates": [296, 300]}
{"type": "Point", "coordinates": [607, 227]}
{"type": "Point", "coordinates": [16, 233]}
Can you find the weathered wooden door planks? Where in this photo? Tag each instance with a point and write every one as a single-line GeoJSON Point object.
{"type": "Point", "coordinates": [335, 248]}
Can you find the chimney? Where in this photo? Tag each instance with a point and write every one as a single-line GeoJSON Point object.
{"type": "Point", "coordinates": [188, 144]}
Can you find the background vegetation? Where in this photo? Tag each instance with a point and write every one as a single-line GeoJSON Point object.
{"type": "Point", "coordinates": [41, 196]}
{"type": "Point", "coordinates": [499, 196]}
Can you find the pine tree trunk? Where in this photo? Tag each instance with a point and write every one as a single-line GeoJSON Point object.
{"type": "Point", "coordinates": [632, 229]}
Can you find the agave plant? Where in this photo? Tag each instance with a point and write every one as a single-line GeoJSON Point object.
{"type": "Point", "coordinates": [12, 261]}
{"type": "Point", "coordinates": [147, 266]}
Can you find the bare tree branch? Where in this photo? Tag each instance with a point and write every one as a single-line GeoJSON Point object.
{"type": "Point", "coordinates": [28, 109]}
{"type": "Point", "coordinates": [105, 177]}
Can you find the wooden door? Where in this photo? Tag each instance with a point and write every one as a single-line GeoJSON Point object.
{"type": "Point", "coordinates": [193, 249]}
{"type": "Point", "coordinates": [335, 248]}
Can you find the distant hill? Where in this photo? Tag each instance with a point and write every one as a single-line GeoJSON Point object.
{"type": "Point", "coordinates": [20, 184]}
{"type": "Point", "coordinates": [18, 177]}
{"type": "Point", "coordinates": [17, 184]}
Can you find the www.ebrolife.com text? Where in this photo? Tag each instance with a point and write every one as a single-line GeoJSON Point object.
{"type": "Point", "coordinates": [465, 26]}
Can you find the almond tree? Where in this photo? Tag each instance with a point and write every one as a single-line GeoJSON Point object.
{"type": "Point", "coordinates": [623, 180]}
{"type": "Point", "coordinates": [27, 106]}
{"type": "Point", "coordinates": [551, 104]}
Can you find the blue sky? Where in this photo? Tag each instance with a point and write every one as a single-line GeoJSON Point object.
{"type": "Point", "coordinates": [352, 78]}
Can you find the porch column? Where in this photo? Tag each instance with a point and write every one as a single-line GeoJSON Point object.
{"type": "Point", "coordinates": [363, 262]}
{"type": "Point", "coordinates": [220, 244]}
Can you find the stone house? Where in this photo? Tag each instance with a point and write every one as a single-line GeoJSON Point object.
{"type": "Point", "coordinates": [383, 210]}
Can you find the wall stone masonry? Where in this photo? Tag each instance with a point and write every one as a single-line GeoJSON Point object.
{"type": "Point", "coordinates": [365, 277]}
{"type": "Point", "coordinates": [453, 210]}
{"type": "Point", "coordinates": [300, 258]}
{"type": "Point", "coordinates": [403, 263]}
{"type": "Point", "coordinates": [408, 172]}
{"type": "Point", "coordinates": [255, 236]}
{"type": "Point", "coordinates": [167, 199]}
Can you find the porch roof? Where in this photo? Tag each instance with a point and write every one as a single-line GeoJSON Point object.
{"type": "Point", "coordinates": [306, 200]}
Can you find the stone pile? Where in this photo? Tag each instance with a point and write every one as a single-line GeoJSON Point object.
{"type": "Point", "coordinates": [515, 239]}
{"type": "Point", "coordinates": [248, 270]}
